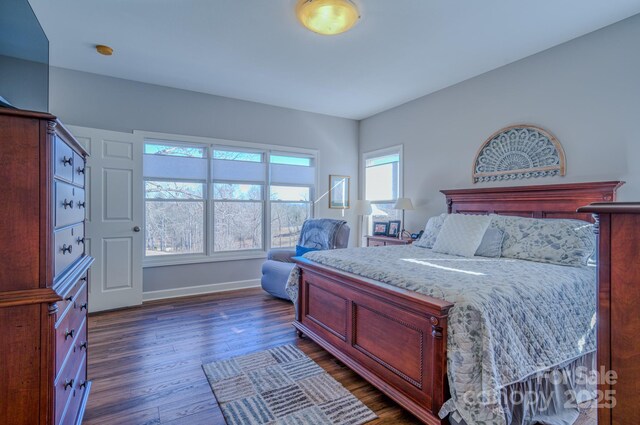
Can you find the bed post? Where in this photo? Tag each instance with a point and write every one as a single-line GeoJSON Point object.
{"type": "Point", "coordinates": [449, 205]}
{"type": "Point", "coordinates": [439, 341]}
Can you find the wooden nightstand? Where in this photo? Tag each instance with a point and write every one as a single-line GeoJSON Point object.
{"type": "Point", "coordinates": [386, 240]}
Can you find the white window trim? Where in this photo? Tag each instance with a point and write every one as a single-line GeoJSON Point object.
{"type": "Point", "coordinates": [399, 149]}
{"type": "Point", "coordinates": [210, 256]}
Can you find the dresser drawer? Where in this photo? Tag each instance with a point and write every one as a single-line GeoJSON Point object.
{"type": "Point", "coordinates": [67, 385]}
{"type": "Point", "coordinates": [69, 246]}
{"type": "Point", "coordinates": [63, 160]}
{"type": "Point", "coordinates": [67, 342]}
{"type": "Point", "coordinates": [70, 415]}
{"type": "Point", "coordinates": [69, 298]}
{"type": "Point", "coordinates": [78, 346]}
{"type": "Point", "coordinates": [73, 322]}
{"type": "Point", "coordinates": [69, 204]}
{"type": "Point", "coordinates": [78, 169]}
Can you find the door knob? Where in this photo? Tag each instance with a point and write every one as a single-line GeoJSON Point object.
{"type": "Point", "coordinates": [136, 229]}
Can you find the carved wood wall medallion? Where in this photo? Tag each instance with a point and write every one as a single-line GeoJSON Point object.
{"type": "Point", "coordinates": [519, 152]}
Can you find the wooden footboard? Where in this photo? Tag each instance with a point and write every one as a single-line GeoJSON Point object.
{"type": "Point", "coordinates": [394, 338]}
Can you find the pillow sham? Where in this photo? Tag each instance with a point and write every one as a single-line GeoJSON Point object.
{"type": "Point", "coordinates": [461, 234]}
{"type": "Point", "coordinates": [491, 244]}
{"type": "Point", "coordinates": [431, 231]}
{"type": "Point", "coordinates": [555, 241]}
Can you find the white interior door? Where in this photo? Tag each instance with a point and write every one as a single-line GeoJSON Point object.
{"type": "Point", "coordinates": [114, 216]}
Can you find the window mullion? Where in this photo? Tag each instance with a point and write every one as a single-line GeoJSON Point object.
{"type": "Point", "coordinates": [267, 203]}
{"type": "Point", "coordinates": [209, 232]}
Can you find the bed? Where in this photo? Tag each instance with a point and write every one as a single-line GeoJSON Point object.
{"type": "Point", "coordinates": [370, 316]}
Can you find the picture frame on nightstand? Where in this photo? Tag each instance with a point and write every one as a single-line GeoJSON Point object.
{"type": "Point", "coordinates": [394, 228]}
{"type": "Point", "coordinates": [380, 228]}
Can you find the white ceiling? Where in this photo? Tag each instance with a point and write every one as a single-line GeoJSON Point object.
{"type": "Point", "coordinates": [256, 50]}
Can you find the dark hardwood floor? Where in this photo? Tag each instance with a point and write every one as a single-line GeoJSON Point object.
{"type": "Point", "coordinates": [145, 362]}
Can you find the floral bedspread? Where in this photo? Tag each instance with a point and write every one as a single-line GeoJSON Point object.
{"type": "Point", "coordinates": [511, 318]}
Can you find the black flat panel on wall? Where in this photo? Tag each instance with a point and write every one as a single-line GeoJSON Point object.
{"type": "Point", "coordinates": [24, 57]}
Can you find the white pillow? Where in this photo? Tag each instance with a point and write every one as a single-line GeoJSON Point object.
{"type": "Point", "coordinates": [461, 234]}
{"type": "Point", "coordinates": [431, 231]}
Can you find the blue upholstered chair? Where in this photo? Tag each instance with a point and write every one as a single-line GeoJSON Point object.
{"type": "Point", "coordinates": [321, 233]}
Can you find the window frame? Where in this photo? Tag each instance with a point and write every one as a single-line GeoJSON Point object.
{"type": "Point", "coordinates": [160, 258]}
{"type": "Point", "coordinates": [211, 144]}
{"type": "Point", "coordinates": [391, 150]}
{"type": "Point", "coordinates": [211, 231]}
{"type": "Point", "coordinates": [311, 202]}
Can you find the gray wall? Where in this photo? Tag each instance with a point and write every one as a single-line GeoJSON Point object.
{"type": "Point", "coordinates": [586, 92]}
{"type": "Point", "coordinates": [91, 100]}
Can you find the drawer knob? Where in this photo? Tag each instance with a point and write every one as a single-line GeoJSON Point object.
{"type": "Point", "coordinates": [83, 278]}
{"type": "Point", "coordinates": [80, 170]}
{"type": "Point", "coordinates": [69, 333]}
{"type": "Point", "coordinates": [84, 384]}
{"type": "Point", "coordinates": [67, 204]}
{"type": "Point", "coordinates": [68, 384]}
{"type": "Point", "coordinates": [69, 298]}
{"type": "Point", "coordinates": [84, 345]}
{"type": "Point", "coordinates": [67, 161]}
{"type": "Point", "coordinates": [81, 204]}
{"type": "Point", "coordinates": [80, 240]}
{"type": "Point", "coordinates": [66, 248]}
{"type": "Point", "coordinates": [83, 307]}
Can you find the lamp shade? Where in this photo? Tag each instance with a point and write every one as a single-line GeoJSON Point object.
{"type": "Point", "coordinates": [328, 17]}
{"type": "Point", "coordinates": [363, 207]}
{"type": "Point", "coordinates": [403, 204]}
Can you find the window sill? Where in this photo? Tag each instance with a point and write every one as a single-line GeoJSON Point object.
{"type": "Point", "coordinates": [197, 259]}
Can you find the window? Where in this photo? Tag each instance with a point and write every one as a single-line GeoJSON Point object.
{"type": "Point", "coordinates": [382, 178]}
{"type": "Point", "coordinates": [175, 188]}
{"type": "Point", "coordinates": [290, 207]}
{"type": "Point", "coordinates": [203, 200]}
{"type": "Point", "coordinates": [238, 179]}
{"type": "Point", "coordinates": [290, 194]}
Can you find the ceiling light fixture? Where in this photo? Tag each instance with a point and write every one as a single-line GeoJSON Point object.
{"type": "Point", "coordinates": [327, 17]}
{"type": "Point", "coordinates": [104, 50]}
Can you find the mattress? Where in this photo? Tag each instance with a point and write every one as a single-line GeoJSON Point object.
{"type": "Point", "coordinates": [511, 319]}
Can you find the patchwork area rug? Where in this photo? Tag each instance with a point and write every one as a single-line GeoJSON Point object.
{"type": "Point", "coordinates": [282, 386]}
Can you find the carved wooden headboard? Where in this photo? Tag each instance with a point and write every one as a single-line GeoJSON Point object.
{"type": "Point", "coordinates": [542, 201]}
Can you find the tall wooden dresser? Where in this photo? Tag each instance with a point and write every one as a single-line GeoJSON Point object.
{"type": "Point", "coordinates": [43, 272]}
{"type": "Point", "coordinates": [618, 311]}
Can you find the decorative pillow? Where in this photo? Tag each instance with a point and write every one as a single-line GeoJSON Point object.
{"type": "Point", "coordinates": [301, 250]}
{"type": "Point", "coordinates": [461, 234]}
{"type": "Point", "coordinates": [491, 244]}
{"type": "Point", "coordinates": [556, 241]}
{"type": "Point", "coordinates": [431, 231]}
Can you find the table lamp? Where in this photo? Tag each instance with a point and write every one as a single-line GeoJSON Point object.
{"type": "Point", "coordinates": [403, 204]}
{"type": "Point", "coordinates": [362, 208]}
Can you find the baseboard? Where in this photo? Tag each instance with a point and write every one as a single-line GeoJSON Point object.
{"type": "Point", "coordinates": [199, 290]}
